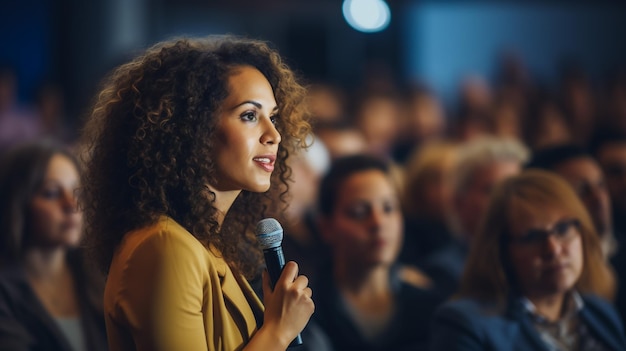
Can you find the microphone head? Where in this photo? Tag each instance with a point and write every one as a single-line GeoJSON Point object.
{"type": "Point", "coordinates": [269, 233]}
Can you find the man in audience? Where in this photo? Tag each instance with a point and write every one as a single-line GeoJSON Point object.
{"type": "Point", "coordinates": [482, 163]}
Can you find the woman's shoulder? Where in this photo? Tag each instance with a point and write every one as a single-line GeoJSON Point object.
{"type": "Point", "coordinates": [164, 232]}
{"type": "Point", "coordinates": [13, 283]}
{"type": "Point", "coordinates": [159, 241]}
{"type": "Point", "coordinates": [470, 309]}
{"type": "Point", "coordinates": [599, 306]}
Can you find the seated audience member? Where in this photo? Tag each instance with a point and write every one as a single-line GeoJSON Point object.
{"type": "Point", "coordinates": [423, 121]}
{"type": "Point", "coordinates": [535, 277]}
{"type": "Point", "coordinates": [377, 115]}
{"type": "Point", "coordinates": [481, 164]}
{"type": "Point", "coordinates": [545, 123]}
{"type": "Point", "coordinates": [48, 298]}
{"type": "Point", "coordinates": [341, 139]}
{"type": "Point", "coordinates": [366, 304]}
{"type": "Point", "coordinates": [609, 149]}
{"type": "Point", "coordinates": [427, 200]}
{"type": "Point", "coordinates": [301, 242]}
{"type": "Point", "coordinates": [582, 171]}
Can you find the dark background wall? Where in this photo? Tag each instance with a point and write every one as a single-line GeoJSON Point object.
{"type": "Point", "coordinates": [76, 42]}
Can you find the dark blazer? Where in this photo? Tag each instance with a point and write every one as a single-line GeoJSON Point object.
{"type": "Point", "coordinates": [26, 325]}
{"type": "Point", "coordinates": [467, 324]}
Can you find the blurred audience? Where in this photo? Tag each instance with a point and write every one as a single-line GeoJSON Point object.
{"type": "Point", "coordinates": [535, 277]}
{"type": "Point", "coordinates": [481, 165]}
{"type": "Point", "coordinates": [423, 120]}
{"type": "Point", "coordinates": [341, 139]}
{"type": "Point", "coordinates": [49, 298]}
{"type": "Point", "coordinates": [17, 123]}
{"type": "Point", "coordinates": [582, 171]}
{"type": "Point", "coordinates": [50, 110]}
{"type": "Point", "coordinates": [610, 151]}
{"type": "Point", "coordinates": [326, 103]}
{"type": "Point", "coordinates": [427, 200]}
{"type": "Point", "coordinates": [301, 241]}
{"type": "Point", "coordinates": [377, 115]}
{"type": "Point", "coordinates": [609, 148]}
{"type": "Point", "coordinates": [366, 304]}
{"type": "Point", "coordinates": [579, 103]}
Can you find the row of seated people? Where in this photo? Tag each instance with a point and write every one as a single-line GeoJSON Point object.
{"type": "Point", "coordinates": [480, 167]}
{"type": "Point", "coordinates": [535, 276]}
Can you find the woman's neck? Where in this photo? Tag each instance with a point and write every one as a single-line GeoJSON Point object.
{"type": "Point", "coordinates": [355, 280]}
{"type": "Point", "coordinates": [52, 282]}
{"type": "Point", "coordinates": [223, 201]}
{"type": "Point", "coordinates": [45, 264]}
{"type": "Point", "coordinates": [367, 292]}
{"type": "Point", "coordinates": [549, 307]}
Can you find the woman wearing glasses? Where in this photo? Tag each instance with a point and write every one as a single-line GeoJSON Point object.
{"type": "Point", "coordinates": [547, 291]}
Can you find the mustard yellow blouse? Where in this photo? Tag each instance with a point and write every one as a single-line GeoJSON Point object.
{"type": "Point", "coordinates": [167, 291]}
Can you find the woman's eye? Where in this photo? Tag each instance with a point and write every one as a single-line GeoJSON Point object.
{"type": "Point", "coordinates": [249, 116]}
{"type": "Point", "coordinates": [389, 208]}
{"type": "Point", "coordinates": [274, 119]}
{"type": "Point", "coordinates": [50, 193]}
{"type": "Point", "coordinates": [358, 212]}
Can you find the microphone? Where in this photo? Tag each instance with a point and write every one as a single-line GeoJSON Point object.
{"type": "Point", "coordinates": [269, 233]}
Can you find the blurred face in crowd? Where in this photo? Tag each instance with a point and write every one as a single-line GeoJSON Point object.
{"type": "Point", "coordinates": [612, 159]}
{"type": "Point", "coordinates": [586, 177]}
{"type": "Point", "coordinates": [365, 228]}
{"type": "Point", "coordinates": [545, 250]}
{"type": "Point", "coordinates": [425, 116]}
{"type": "Point", "coordinates": [472, 202]}
{"type": "Point", "coordinates": [378, 121]}
{"type": "Point", "coordinates": [247, 138]}
{"type": "Point", "coordinates": [343, 142]}
{"type": "Point", "coordinates": [54, 217]}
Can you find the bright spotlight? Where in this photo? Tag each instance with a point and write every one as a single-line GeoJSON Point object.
{"type": "Point", "coordinates": [367, 16]}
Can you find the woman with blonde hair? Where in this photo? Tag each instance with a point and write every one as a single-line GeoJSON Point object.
{"type": "Point", "coordinates": [535, 278]}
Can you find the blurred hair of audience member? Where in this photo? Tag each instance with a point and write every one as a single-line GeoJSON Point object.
{"type": "Point", "coordinates": [579, 103]}
{"type": "Point", "coordinates": [301, 242]}
{"type": "Point", "coordinates": [609, 148]}
{"type": "Point", "coordinates": [423, 120]}
{"type": "Point", "coordinates": [50, 299]}
{"type": "Point", "coordinates": [545, 123]}
{"type": "Point", "coordinates": [341, 140]}
{"type": "Point", "coordinates": [505, 119]}
{"type": "Point", "coordinates": [50, 110]}
{"type": "Point", "coordinates": [326, 103]}
{"type": "Point", "coordinates": [367, 303]}
{"type": "Point", "coordinates": [535, 279]}
{"type": "Point", "coordinates": [576, 165]}
{"type": "Point", "coordinates": [17, 122]}
{"type": "Point", "coordinates": [427, 200]}
{"type": "Point", "coordinates": [377, 115]}
{"type": "Point", "coordinates": [481, 164]}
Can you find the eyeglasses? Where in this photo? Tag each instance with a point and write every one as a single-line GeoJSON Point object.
{"type": "Point", "coordinates": [562, 231]}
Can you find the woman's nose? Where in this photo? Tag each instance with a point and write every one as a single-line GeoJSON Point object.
{"type": "Point", "coordinates": [270, 133]}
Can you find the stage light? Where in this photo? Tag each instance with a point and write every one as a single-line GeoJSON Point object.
{"type": "Point", "coordinates": [367, 16]}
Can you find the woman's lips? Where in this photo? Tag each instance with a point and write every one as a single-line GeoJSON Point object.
{"type": "Point", "coordinates": [265, 162]}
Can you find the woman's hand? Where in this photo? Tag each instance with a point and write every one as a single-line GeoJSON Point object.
{"type": "Point", "coordinates": [289, 307]}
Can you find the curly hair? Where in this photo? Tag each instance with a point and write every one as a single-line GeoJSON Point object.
{"type": "Point", "coordinates": [149, 145]}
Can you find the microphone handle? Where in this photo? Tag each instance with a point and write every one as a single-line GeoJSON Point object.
{"type": "Point", "coordinates": [275, 261]}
